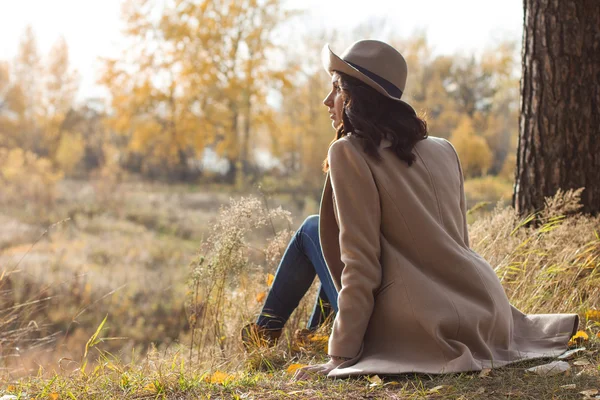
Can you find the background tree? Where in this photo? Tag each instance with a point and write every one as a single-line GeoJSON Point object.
{"type": "Point", "coordinates": [560, 101]}
{"type": "Point", "coordinates": [27, 69]}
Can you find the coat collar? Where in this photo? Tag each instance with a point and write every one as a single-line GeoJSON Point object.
{"type": "Point", "coordinates": [382, 145]}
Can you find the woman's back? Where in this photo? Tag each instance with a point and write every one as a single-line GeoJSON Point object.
{"type": "Point", "coordinates": [438, 306]}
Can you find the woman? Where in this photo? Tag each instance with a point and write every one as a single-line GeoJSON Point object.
{"type": "Point", "coordinates": [408, 292]}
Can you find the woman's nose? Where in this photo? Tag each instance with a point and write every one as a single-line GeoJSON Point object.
{"type": "Point", "coordinates": [327, 100]}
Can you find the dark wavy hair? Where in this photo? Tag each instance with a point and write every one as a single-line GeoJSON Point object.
{"type": "Point", "coordinates": [371, 117]}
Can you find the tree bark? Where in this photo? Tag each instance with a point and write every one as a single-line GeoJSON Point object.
{"type": "Point", "coordinates": [559, 125]}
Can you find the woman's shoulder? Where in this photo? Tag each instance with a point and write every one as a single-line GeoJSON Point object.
{"type": "Point", "coordinates": [346, 144]}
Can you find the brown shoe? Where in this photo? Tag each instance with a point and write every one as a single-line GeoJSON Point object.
{"type": "Point", "coordinates": [258, 336]}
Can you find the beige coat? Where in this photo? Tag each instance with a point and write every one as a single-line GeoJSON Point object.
{"type": "Point", "coordinates": [413, 297]}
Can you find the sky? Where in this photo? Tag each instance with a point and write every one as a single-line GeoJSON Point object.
{"type": "Point", "coordinates": [92, 28]}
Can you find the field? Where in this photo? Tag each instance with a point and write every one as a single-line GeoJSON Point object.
{"type": "Point", "coordinates": [139, 290]}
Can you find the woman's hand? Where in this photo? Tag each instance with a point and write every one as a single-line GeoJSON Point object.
{"type": "Point", "coordinates": [320, 369]}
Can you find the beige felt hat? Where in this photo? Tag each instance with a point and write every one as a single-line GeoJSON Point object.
{"type": "Point", "coordinates": [373, 62]}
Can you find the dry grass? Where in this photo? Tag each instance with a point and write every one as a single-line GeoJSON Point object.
{"type": "Point", "coordinates": [549, 267]}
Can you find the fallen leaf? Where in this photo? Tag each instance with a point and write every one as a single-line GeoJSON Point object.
{"type": "Point", "coordinates": [219, 377]}
{"type": "Point", "coordinates": [582, 335]}
{"type": "Point", "coordinates": [150, 387]}
{"type": "Point", "coordinates": [436, 389]}
{"type": "Point", "coordinates": [261, 297]}
{"type": "Point", "coordinates": [485, 373]}
{"type": "Point", "coordinates": [581, 362]}
{"type": "Point", "coordinates": [11, 388]}
{"type": "Point", "coordinates": [592, 315]}
{"type": "Point", "coordinates": [553, 368]}
{"type": "Point", "coordinates": [589, 392]}
{"type": "Point", "coordinates": [270, 279]}
{"type": "Point", "coordinates": [294, 367]}
{"type": "Point", "coordinates": [53, 396]}
{"type": "Point", "coordinates": [570, 386]}
{"type": "Point", "coordinates": [375, 380]}
{"type": "Point", "coordinates": [319, 338]}
{"type": "Point", "coordinates": [567, 355]}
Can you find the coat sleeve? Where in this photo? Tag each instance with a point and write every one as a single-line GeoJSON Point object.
{"type": "Point", "coordinates": [356, 200]}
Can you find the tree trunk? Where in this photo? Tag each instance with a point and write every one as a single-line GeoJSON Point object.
{"type": "Point", "coordinates": [559, 125]}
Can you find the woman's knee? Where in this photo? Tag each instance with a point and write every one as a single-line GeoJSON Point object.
{"type": "Point", "coordinates": [310, 226]}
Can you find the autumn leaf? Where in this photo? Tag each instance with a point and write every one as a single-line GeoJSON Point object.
{"type": "Point", "coordinates": [437, 389]}
{"type": "Point", "coordinates": [592, 315]}
{"type": "Point", "coordinates": [375, 380]}
{"type": "Point", "coordinates": [270, 279]}
{"type": "Point", "coordinates": [319, 338]}
{"type": "Point", "coordinates": [261, 297]}
{"type": "Point", "coordinates": [294, 367]}
{"type": "Point", "coordinates": [579, 337]}
{"type": "Point", "coordinates": [53, 396]}
{"type": "Point", "coordinates": [220, 377]}
{"type": "Point", "coordinates": [485, 373]}
{"type": "Point", "coordinates": [150, 387]}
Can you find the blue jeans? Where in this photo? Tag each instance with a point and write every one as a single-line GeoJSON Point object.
{"type": "Point", "coordinates": [301, 262]}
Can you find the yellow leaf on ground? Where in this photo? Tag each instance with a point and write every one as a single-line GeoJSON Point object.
{"type": "Point", "coordinates": [485, 373]}
{"type": "Point", "coordinates": [270, 279]}
{"type": "Point", "coordinates": [219, 377]}
{"type": "Point", "coordinates": [53, 396]}
{"type": "Point", "coordinates": [294, 367]}
{"type": "Point", "coordinates": [319, 338]}
{"type": "Point", "coordinates": [375, 380]}
{"type": "Point", "coordinates": [580, 335]}
{"type": "Point", "coordinates": [261, 297]}
{"type": "Point", "coordinates": [11, 388]}
{"type": "Point", "coordinates": [150, 387]}
{"type": "Point", "coordinates": [437, 389]}
{"type": "Point", "coordinates": [593, 315]}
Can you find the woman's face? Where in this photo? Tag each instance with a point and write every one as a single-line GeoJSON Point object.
{"type": "Point", "coordinates": [334, 101]}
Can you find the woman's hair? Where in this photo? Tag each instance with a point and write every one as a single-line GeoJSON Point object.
{"type": "Point", "coordinates": [371, 117]}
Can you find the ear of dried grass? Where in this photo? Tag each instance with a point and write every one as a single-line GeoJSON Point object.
{"type": "Point", "coordinates": [549, 267]}
{"type": "Point", "coordinates": [223, 279]}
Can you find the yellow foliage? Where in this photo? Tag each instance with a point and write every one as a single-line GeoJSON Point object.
{"type": "Point", "coordinates": [25, 176]}
{"type": "Point", "coordinates": [475, 154]}
{"type": "Point", "coordinates": [71, 149]}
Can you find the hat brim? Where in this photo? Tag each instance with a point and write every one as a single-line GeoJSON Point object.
{"type": "Point", "coordinates": [331, 62]}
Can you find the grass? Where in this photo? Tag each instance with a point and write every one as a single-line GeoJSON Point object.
{"type": "Point", "coordinates": [176, 279]}
{"type": "Point", "coordinates": [160, 376]}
